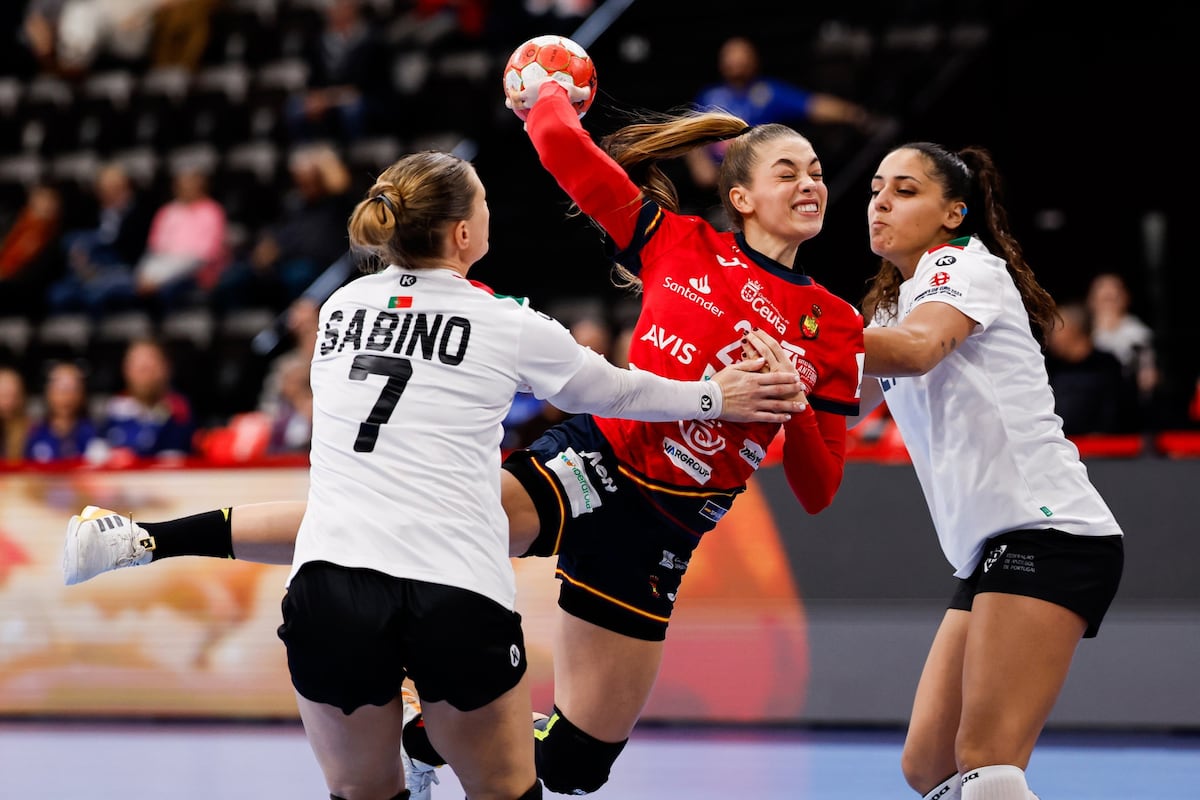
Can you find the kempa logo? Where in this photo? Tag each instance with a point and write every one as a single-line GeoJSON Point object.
{"type": "Point", "coordinates": [993, 557]}
{"type": "Point", "coordinates": [408, 280]}
{"type": "Point", "coordinates": [700, 284]}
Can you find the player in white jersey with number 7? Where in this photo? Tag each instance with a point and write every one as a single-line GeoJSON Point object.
{"type": "Point", "coordinates": [401, 565]}
{"type": "Point", "coordinates": [1038, 554]}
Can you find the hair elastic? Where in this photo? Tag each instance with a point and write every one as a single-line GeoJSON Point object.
{"type": "Point", "coordinates": [383, 198]}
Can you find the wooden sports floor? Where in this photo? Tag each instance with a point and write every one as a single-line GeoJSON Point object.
{"type": "Point", "coordinates": [56, 761]}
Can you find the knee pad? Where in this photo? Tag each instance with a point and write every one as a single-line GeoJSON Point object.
{"type": "Point", "coordinates": [570, 761]}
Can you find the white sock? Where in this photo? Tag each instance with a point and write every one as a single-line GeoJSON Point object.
{"type": "Point", "coordinates": [949, 789]}
{"type": "Point", "coordinates": [998, 782]}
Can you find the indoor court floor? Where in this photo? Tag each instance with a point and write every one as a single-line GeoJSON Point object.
{"type": "Point", "coordinates": [55, 761]}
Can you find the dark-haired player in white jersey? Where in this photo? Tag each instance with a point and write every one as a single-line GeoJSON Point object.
{"type": "Point", "coordinates": [624, 506]}
{"type": "Point", "coordinates": [1038, 554]}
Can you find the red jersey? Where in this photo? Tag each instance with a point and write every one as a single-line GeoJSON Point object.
{"type": "Point", "coordinates": [702, 290]}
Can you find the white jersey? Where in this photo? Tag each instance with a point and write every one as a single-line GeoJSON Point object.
{"type": "Point", "coordinates": [980, 427]}
{"type": "Point", "coordinates": [412, 375]}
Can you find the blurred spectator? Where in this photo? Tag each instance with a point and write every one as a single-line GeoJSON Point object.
{"type": "Point", "coordinates": [186, 250]}
{"type": "Point", "coordinates": [181, 32]}
{"type": "Point", "coordinates": [100, 260]}
{"type": "Point", "coordinates": [620, 346]}
{"type": "Point", "coordinates": [593, 333]}
{"type": "Point", "coordinates": [30, 258]}
{"type": "Point", "coordinates": [308, 236]}
{"type": "Point", "coordinates": [758, 100]}
{"type": "Point", "coordinates": [65, 430]}
{"type": "Point", "coordinates": [40, 31]}
{"type": "Point", "coordinates": [148, 418]}
{"type": "Point", "coordinates": [14, 416]}
{"type": "Point", "coordinates": [1116, 330]}
{"type": "Point", "coordinates": [1086, 381]}
{"type": "Point", "coordinates": [349, 79]}
{"type": "Point", "coordinates": [287, 393]}
{"type": "Point", "coordinates": [290, 410]}
{"type": "Point", "coordinates": [70, 37]}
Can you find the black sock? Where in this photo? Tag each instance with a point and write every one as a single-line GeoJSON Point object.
{"type": "Point", "coordinates": [206, 534]}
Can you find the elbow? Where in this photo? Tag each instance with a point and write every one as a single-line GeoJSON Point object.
{"type": "Point", "coordinates": [815, 505]}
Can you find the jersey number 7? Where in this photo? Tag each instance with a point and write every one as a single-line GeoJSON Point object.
{"type": "Point", "coordinates": [398, 372]}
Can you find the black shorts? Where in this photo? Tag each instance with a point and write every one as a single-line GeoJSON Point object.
{"type": "Point", "coordinates": [1079, 573]}
{"type": "Point", "coordinates": [623, 541]}
{"type": "Point", "coordinates": [352, 635]}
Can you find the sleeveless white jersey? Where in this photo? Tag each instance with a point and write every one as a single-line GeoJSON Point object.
{"type": "Point", "coordinates": [980, 427]}
{"type": "Point", "coordinates": [412, 375]}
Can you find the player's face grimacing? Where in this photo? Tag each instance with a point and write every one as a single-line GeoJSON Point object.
{"type": "Point", "coordinates": [787, 194]}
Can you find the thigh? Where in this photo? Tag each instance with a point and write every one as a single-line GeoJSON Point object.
{"type": "Point", "coordinates": [489, 748]}
{"type": "Point", "coordinates": [929, 744]}
{"type": "Point", "coordinates": [359, 753]}
{"type": "Point", "coordinates": [523, 521]}
{"type": "Point", "coordinates": [461, 647]}
{"type": "Point", "coordinates": [602, 679]}
{"type": "Point", "coordinates": [1017, 657]}
{"type": "Point", "coordinates": [342, 628]}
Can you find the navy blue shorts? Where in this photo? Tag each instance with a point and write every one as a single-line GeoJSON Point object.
{"type": "Point", "coordinates": [623, 541]}
{"type": "Point", "coordinates": [1079, 573]}
{"type": "Point", "coordinates": [353, 634]}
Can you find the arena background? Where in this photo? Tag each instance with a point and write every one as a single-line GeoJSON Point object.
{"type": "Point", "coordinates": [790, 619]}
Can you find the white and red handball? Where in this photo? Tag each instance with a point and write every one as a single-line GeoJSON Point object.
{"type": "Point", "coordinates": [555, 58]}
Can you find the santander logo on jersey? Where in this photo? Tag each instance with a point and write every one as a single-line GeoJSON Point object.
{"type": "Point", "coordinates": [696, 294]}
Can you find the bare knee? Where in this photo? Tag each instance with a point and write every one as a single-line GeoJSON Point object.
{"type": "Point", "coordinates": [353, 787]}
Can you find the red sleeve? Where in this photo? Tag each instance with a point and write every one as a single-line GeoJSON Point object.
{"type": "Point", "coordinates": [814, 457]}
{"type": "Point", "coordinates": [586, 173]}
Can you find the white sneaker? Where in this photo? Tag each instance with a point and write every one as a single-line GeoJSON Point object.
{"type": "Point", "coordinates": [99, 540]}
{"type": "Point", "coordinates": [418, 776]}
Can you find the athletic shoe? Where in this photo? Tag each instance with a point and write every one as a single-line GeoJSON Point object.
{"type": "Point", "coordinates": [99, 540]}
{"type": "Point", "coordinates": [418, 776]}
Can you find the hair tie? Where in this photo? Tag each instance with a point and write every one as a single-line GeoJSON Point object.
{"type": "Point", "coordinates": [743, 131]}
{"type": "Point", "coordinates": [383, 198]}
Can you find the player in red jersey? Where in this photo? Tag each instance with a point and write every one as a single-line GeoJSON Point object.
{"type": "Point", "coordinates": [623, 506]}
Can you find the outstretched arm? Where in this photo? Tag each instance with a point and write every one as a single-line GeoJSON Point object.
{"type": "Point", "coordinates": [597, 184]}
{"type": "Point", "coordinates": [740, 393]}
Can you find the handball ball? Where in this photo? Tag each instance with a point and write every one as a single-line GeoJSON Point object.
{"type": "Point", "coordinates": [554, 57]}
